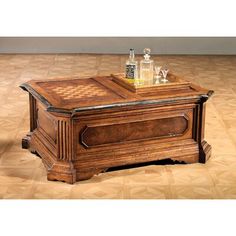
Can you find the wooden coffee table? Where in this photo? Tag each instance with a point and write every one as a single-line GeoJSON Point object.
{"type": "Point", "coordinates": [83, 126]}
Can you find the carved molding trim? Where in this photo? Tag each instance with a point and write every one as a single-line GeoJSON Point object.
{"type": "Point", "coordinates": [64, 140]}
{"type": "Point", "coordinates": [33, 113]}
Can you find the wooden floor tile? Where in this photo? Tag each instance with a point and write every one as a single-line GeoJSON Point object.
{"type": "Point", "coordinates": [22, 174]}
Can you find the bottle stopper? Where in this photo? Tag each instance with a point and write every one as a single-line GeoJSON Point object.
{"type": "Point", "coordinates": [147, 52]}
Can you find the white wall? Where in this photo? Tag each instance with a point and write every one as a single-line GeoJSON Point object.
{"type": "Point", "coordinates": [159, 45]}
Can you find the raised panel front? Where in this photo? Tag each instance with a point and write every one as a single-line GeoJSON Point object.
{"type": "Point", "coordinates": [96, 135]}
{"type": "Point", "coordinates": [46, 124]}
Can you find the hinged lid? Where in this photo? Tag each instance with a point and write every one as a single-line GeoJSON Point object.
{"type": "Point", "coordinates": [72, 95]}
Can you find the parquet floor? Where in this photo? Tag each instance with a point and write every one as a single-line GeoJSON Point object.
{"type": "Point", "coordinates": [23, 176]}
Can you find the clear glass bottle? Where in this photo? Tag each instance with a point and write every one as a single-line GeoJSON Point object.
{"type": "Point", "coordinates": [146, 67]}
{"type": "Point", "coordinates": [131, 69]}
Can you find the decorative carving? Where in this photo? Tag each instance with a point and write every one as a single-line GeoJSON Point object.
{"type": "Point", "coordinates": [198, 129]}
{"type": "Point", "coordinates": [64, 144]}
{"type": "Point", "coordinates": [33, 113]}
{"type": "Point", "coordinates": [89, 173]}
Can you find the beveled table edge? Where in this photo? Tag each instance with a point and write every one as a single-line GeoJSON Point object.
{"type": "Point", "coordinates": [51, 108]}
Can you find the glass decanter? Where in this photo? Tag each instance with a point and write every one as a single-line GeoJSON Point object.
{"type": "Point", "coordinates": [146, 67]}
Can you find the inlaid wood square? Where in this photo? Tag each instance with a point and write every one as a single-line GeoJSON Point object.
{"type": "Point", "coordinates": [79, 91]}
{"type": "Point", "coordinates": [73, 93]}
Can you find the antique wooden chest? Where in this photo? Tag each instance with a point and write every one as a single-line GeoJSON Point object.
{"type": "Point", "coordinates": [83, 126]}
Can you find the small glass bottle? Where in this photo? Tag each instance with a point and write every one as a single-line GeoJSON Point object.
{"type": "Point", "coordinates": [131, 69]}
{"type": "Point", "coordinates": [146, 67]}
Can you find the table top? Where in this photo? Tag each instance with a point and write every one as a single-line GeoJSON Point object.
{"type": "Point", "coordinates": [100, 92]}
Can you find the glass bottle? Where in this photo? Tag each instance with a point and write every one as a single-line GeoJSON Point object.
{"type": "Point", "coordinates": [146, 67]}
{"type": "Point", "coordinates": [131, 70]}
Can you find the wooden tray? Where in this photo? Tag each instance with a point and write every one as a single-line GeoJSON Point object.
{"type": "Point", "coordinates": [175, 83]}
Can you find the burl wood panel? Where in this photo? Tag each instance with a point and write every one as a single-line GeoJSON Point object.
{"type": "Point", "coordinates": [81, 127]}
{"type": "Point", "coordinates": [133, 131]}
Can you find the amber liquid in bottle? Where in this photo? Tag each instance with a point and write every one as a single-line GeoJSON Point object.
{"type": "Point", "coordinates": [131, 70]}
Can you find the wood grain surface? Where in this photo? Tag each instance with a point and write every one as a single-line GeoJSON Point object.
{"type": "Point", "coordinates": [140, 126]}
